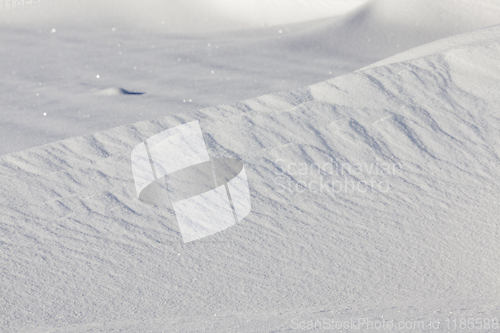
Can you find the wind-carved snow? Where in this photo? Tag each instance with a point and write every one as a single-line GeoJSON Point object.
{"type": "Point", "coordinates": [418, 241]}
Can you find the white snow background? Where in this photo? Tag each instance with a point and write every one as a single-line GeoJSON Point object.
{"type": "Point", "coordinates": [418, 242]}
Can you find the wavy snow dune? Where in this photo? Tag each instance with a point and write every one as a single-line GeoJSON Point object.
{"type": "Point", "coordinates": [85, 52]}
{"type": "Point", "coordinates": [405, 231]}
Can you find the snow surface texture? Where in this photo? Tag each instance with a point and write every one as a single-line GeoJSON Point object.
{"type": "Point", "coordinates": [81, 254]}
{"type": "Point", "coordinates": [73, 68]}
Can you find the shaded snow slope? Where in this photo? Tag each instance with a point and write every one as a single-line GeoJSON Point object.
{"type": "Point", "coordinates": [419, 243]}
{"type": "Point", "coordinates": [382, 28]}
{"type": "Point", "coordinates": [50, 78]}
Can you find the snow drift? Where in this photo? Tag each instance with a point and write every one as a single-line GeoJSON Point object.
{"type": "Point", "coordinates": [76, 82]}
{"type": "Point", "coordinates": [411, 233]}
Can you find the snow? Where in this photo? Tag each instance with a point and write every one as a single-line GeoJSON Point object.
{"type": "Point", "coordinates": [192, 16]}
{"type": "Point", "coordinates": [70, 62]}
{"type": "Point", "coordinates": [373, 193]}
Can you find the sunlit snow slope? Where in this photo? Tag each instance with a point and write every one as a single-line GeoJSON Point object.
{"type": "Point", "coordinates": [421, 241]}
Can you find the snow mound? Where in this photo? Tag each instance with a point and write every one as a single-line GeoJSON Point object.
{"type": "Point", "coordinates": [43, 101]}
{"type": "Point", "coordinates": [114, 91]}
{"type": "Point", "coordinates": [406, 227]}
{"type": "Point", "coordinates": [382, 28]}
